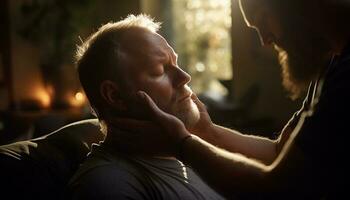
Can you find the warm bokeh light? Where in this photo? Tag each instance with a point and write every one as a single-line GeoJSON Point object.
{"type": "Point", "coordinates": [79, 96]}
{"type": "Point", "coordinates": [78, 99]}
{"type": "Point", "coordinates": [50, 89]}
{"type": "Point", "coordinates": [203, 42]}
{"type": "Point", "coordinates": [44, 98]}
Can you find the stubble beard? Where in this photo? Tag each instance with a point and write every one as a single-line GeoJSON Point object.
{"type": "Point", "coordinates": [188, 114]}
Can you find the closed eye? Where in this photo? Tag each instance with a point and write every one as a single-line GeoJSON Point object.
{"type": "Point", "coordinates": [156, 75]}
{"type": "Point", "coordinates": [158, 72]}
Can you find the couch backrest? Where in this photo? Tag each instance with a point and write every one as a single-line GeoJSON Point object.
{"type": "Point", "coordinates": [40, 168]}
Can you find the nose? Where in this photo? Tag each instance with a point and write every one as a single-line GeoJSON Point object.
{"type": "Point", "coordinates": [181, 78]}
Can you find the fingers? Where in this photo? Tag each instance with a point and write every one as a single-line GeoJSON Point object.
{"type": "Point", "coordinates": [154, 111]}
{"type": "Point", "coordinates": [201, 106]}
{"type": "Point", "coordinates": [194, 97]}
{"type": "Point", "coordinates": [171, 124]}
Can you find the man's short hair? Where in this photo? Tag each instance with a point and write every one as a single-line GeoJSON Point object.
{"type": "Point", "coordinates": [97, 58]}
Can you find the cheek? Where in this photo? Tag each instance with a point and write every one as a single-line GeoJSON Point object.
{"type": "Point", "coordinates": [161, 91]}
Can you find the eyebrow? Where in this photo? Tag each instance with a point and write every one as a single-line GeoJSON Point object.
{"type": "Point", "coordinates": [166, 56]}
{"type": "Point", "coordinates": [159, 56]}
{"type": "Point", "coordinates": [173, 55]}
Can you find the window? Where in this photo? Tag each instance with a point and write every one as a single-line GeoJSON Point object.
{"type": "Point", "coordinates": [203, 42]}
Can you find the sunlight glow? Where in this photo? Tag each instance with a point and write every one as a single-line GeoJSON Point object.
{"type": "Point", "coordinates": [203, 41]}
{"type": "Point", "coordinates": [44, 98]}
{"type": "Point", "coordinates": [79, 96]}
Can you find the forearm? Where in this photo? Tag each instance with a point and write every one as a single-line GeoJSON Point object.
{"type": "Point", "coordinates": [233, 174]}
{"type": "Point", "coordinates": [226, 172]}
{"type": "Point", "coordinates": [251, 146]}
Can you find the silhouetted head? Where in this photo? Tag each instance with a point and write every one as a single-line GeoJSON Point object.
{"type": "Point", "coordinates": [306, 33]}
{"type": "Point", "coordinates": [127, 56]}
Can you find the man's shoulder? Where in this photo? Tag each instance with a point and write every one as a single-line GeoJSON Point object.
{"type": "Point", "coordinates": [328, 122]}
{"type": "Point", "coordinates": [339, 73]}
{"type": "Point", "coordinates": [103, 174]}
{"type": "Point", "coordinates": [105, 182]}
{"type": "Point", "coordinates": [103, 163]}
{"type": "Point", "coordinates": [335, 85]}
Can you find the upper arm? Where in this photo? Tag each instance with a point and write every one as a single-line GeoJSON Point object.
{"type": "Point", "coordinates": [292, 123]}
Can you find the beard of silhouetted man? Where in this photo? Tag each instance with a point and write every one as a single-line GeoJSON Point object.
{"type": "Point", "coordinates": [302, 61]}
{"type": "Point", "coordinates": [303, 53]}
{"type": "Point", "coordinates": [297, 32]}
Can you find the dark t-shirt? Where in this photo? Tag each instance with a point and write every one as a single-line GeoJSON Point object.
{"type": "Point", "coordinates": [322, 142]}
{"type": "Point", "coordinates": [108, 174]}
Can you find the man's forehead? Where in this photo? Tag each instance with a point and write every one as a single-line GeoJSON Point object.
{"type": "Point", "coordinates": [146, 45]}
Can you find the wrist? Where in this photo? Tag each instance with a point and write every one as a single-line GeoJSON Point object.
{"type": "Point", "coordinates": [209, 134]}
{"type": "Point", "coordinates": [181, 145]}
{"type": "Point", "coordinates": [203, 131]}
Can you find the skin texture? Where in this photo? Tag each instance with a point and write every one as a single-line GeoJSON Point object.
{"type": "Point", "coordinates": [150, 64]}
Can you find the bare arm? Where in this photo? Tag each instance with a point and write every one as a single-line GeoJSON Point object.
{"type": "Point", "coordinates": [251, 146]}
{"type": "Point", "coordinates": [225, 171]}
{"type": "Point", "coordinates": [229, 172]}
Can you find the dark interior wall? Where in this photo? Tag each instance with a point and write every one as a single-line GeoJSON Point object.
{"type": "Point", "coordinates": [26, 57]}
{"type": "Point", "coordinates": [112, 10]}
{"type": "Point", "coordinates": [6, 93]}
{"type": "Point", "coordinates": [27, 81]}
{"type": "Point", "coordinates": [257, 65]}
{"type": "Point", "coordinates": [161, 10]}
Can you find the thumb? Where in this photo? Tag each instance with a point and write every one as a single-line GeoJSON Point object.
{"type": "Point", "coordinates": [172, 125]}
{"type": "Point", "coordinates": [153, 110]}
{"type": "Point", "coordinates": [201, 106]}
{"type": "Point", "coordinates": [156, 114]}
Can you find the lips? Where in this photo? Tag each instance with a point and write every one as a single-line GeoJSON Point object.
{"type": "Point", "coordinates": [185, 96]}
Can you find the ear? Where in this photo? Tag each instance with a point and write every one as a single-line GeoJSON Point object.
{"type": "Point", "coordinates": [110, 92]}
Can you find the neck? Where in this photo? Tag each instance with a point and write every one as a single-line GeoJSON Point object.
{"type": "Point", "coordinates": [114, 142]}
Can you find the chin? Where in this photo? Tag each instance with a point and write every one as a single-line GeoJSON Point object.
{"type": "Point", "coordinates": [188, 114]}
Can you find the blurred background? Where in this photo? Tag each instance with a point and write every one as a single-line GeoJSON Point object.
{"type": "Point", "coordinates": [233, 75]}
